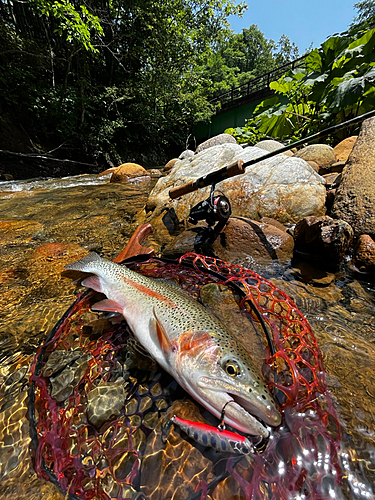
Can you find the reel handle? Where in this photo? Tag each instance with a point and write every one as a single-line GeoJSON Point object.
{"type": "Point", "coordinates": [234, 168]}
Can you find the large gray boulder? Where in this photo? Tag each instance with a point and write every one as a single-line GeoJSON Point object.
{"type": "Point", "coordinates": [271, 145]}
{"type": "Point", "coordinates": [281, 187]}
{"type": "Point", "coordinates": [355, 197]}
{"type": "Point", "coordinates": [215, 141]}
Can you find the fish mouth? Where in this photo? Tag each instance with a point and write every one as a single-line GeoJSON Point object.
{"type": "Point", "coordinates": [235, 414]}
{"type": "Point", "coordinates": [240, 412]}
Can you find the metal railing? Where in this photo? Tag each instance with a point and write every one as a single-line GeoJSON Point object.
{"type": "Point", "coordinates": [257, 84]}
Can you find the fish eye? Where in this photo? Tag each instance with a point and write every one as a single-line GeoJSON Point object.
{"type": "Point", "coordinates": [232, 368]}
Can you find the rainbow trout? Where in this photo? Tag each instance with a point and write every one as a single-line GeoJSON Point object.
{"type": "Point", "coordinates": [186, 340]}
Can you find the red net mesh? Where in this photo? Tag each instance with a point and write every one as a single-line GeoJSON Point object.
{"type": "Point", "coordinates": [299, 461]}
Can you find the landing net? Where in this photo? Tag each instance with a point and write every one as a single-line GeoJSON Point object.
{"type": "Point", "coordinates": [116, 458]}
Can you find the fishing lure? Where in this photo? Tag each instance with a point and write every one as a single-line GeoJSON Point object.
{"type": "Point", "coordinates": [214, 437]}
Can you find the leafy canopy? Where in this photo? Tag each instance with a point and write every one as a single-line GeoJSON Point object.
{"type": "Point", "coordinates": [337, 83]}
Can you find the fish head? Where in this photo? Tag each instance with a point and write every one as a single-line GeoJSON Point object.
{"type": "Point", "coordinates": [224, 375]}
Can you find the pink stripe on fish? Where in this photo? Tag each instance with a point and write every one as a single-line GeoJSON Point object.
{"type": "Point", "coordinates": [151, 293]}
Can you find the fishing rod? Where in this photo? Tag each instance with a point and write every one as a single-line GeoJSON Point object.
{"type": "Point", "coordinates": [238, 167]}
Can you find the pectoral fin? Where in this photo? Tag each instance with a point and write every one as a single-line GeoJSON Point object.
{"type": "Point", "coordinates": [92, 282]}
{"type": "Point", "coordinates": [107, 305]}
{"type": "Point", "coordinates": [162, 335]}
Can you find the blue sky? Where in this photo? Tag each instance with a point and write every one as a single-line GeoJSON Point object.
{"type": "Point", "coordinates": [303, 21]}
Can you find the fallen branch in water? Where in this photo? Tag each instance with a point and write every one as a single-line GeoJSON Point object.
{"type": "Point", "coordinates": [43, 157]}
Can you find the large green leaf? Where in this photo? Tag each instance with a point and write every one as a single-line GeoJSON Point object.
{"type": "Point", "coordinates": [346, 94]}
{"type": "Point", "coordinates": [313, 61]}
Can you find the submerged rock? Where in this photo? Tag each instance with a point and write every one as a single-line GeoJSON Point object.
{"type": "Point", "coordinates": [105, 402]}
{"type": "Point", "coordinates": [59, 360]}
{"type": "Point", "coordinates": [324, 238]}
{"type": "Point", "coordinates": [355, 197]}
{"type": "Point", "coordinates": [283, 188]}
{"type": "Point", "coordinates": [215, 141]}
{"type": "Point", "coordinates": [64, 383]}
{"type": "Point", "coordinates": [20, 231]}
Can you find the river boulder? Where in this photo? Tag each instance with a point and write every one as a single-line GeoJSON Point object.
{"type": "Point", "coordinates": [284, 188]}
{"type": "Point", "coordinates": [344, 148]}
{"type": "Point", "coordinates": [168, 166]}
{"type": "Point", "coordinates": [322, 154]}
{"type": "Point", "coordinates": [242, 241]}
{"type": "Point", "coordinates": [129, 172]}
{"type": "Point", "coordinates": [364, 254]}
{"type": "Point", "coordinates": [271, 145]}
{"type": "Point", "coordinates": [355, 197]}
{"type": "Point", "coordinates": [188, 153]}
{"type": "Point", "coordinates": [215, 141]}
{"type": "Point", "coordinates": [323, 238]}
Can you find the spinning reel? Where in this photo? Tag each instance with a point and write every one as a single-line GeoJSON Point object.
{"type": "Point", "coordinates": [215, 211]}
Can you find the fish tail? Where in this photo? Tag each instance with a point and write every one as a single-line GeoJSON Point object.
{"type": "Point", "coordinates": [84, 264]}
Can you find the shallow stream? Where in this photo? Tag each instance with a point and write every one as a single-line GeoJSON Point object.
{"type": "Point", "coordinates": [44, 224]}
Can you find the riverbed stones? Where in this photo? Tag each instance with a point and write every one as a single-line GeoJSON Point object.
{"type": "Point", "coordinates": [215, 141]}
{"type": "Point", "coordinates": [271, 145]}
{"type": "Point", "coordinates": [64, 383]}
{"type": "Point", "coordinates": [105, 402]}
{"type": "Point", "coordinates": [324, 238]}
{"type": "Point", "coordinates": [129, 172]}
{"type": "Point", "coordinates": [344, 148]}
{"type": "Point", "coordinates": [58, 360]}
{"type": "Point", "coordinates": [334, 178]}
{"type": "Point", "coordinates": [355, 197]}
{"type": "Point", "coordinates": [19, 231]}
{"type": "Point", "coordinates": [284, 188]}
{"type": "Point", "coordinates": [364, 254]}
{"type": "Point", "coordinates": [322, 154]}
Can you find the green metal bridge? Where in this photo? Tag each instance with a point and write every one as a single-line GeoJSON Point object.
{"type": "Point", "coordinates": [238, 104]}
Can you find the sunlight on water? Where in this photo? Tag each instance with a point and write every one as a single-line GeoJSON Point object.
{"type": "Point", "coordinates": [51, 183]}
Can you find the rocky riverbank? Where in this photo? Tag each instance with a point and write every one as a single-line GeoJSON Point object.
{"type": "Point", "coordinates": [317, 202]}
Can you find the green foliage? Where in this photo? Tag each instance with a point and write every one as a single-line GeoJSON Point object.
{"type": "Point", "coordinates": [75, 24]}
{"type": "Point", "coordinates": [243, 56]}
{"type": "Point", "coordinates": [112, 76]}
{"type": "Point", "coordinates": [338, 83]}
{"type": "Point", "coordinates": [366, 11]}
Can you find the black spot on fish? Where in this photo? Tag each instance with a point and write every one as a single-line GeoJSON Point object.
{"type": "Point", "coordinates": [196, 436]}
{"type": "Point", "coordinates": [223, 445]}
{"type": "Point", "coordinates": [204, 438]}
{"type": "Point", "coordinates": [213, 442]}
